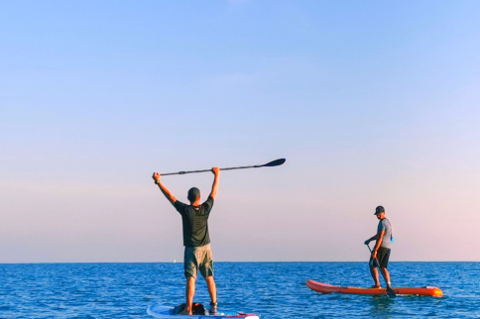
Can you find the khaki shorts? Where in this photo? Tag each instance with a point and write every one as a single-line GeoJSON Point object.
{"type": "Point", "coordinates": [196, 258]}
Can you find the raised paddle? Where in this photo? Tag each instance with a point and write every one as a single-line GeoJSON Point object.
{"type": "Point", "coordinates": [276, 162]}
{"type": "Point", "coordinates": [390, 291]}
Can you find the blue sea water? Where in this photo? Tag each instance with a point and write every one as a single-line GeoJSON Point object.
{"type": "Point", "coordinates": [273, 290]}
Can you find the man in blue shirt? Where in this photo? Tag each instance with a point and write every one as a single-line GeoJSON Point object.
{"type": "Point", "coordinates": [381, 251]}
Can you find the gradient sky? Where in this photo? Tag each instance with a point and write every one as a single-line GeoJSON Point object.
{"type": "Point", "coordinates": [371, 102]}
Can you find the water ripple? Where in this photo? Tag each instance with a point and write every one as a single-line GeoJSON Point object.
{"type": "Point", "coordinates": [274, 290]}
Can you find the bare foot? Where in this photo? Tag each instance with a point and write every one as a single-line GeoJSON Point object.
{"type": "Point", "coordinates": [185, 312]}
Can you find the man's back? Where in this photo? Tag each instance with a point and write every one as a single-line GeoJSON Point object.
{"type": "Point", "coordinates": [195, 222]}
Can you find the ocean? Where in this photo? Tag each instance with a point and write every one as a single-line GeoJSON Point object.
{"type": "Point", "coordinates": [273, 290]}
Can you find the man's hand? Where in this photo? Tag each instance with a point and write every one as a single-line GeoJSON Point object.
{"type": "Point", "coordinates": [216, 171]}
{"type": "Point", "coordinates": [156, 177]}
{"type": "Point", "coordinates": [165, 191]}
{"type": "Point", "coordinates": [374, 254]}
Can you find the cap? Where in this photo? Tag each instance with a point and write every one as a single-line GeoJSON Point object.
{"type": "Point", "coordinates": [379, 210]}
{"type": "Point", "coordinates": [193, 194]}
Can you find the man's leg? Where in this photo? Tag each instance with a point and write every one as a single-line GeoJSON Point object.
{"type": "Point", "coordinates": [206, 269]}
{"type": "Point", "coordinates": [212, 289]}
{"type": "Point", "coordinates": [384, 258]}
{"type": "Point", "coordinates": [376, 279]}
{"type": "Point", "coordinates": [190, 293]}
{"type": "Point", "coordinates": [386, 275]}
{"type": "Point", "coordinates": [190, 266]}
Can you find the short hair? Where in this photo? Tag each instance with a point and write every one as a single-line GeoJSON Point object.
{"type": "Point", "coordinates": [193, 194]}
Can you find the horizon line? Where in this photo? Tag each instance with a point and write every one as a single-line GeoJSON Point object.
{"type": "Point", "coordinates": [181, 262]}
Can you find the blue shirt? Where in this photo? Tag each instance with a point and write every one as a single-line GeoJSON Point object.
{"type": "Point", "coordinates": [385, 226]}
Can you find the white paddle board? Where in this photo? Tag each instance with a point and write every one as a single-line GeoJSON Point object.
{"type": "Point", "coordinates": [166, 312]}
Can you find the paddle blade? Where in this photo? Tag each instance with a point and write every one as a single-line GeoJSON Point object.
{"type": "Point", "coordinates": [390, 292]}
{"type": "Point", "coordinates": [276, 162]}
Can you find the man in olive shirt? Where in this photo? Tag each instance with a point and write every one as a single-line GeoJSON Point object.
{"type": "Point", "coordinates": [381, 251]}
{"type": "Point", "coordinates": [196, 239]}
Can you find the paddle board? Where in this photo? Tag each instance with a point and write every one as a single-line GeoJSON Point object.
{"type": "Point", "coordinates": [327, 289]}
{"type": "Point", "coordinates": [199, 312]}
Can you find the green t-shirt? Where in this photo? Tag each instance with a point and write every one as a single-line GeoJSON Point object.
{"type": "Point", "coordinates": [194, 221]}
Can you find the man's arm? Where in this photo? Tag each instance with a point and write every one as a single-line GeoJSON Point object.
{"type": "Point", "coordinates": [216, 172]}
{"type": "Point", "coordinates": [165, 191]}
{"type": "Point", "coordinates": [370, 239]}
{"type": "Point", "coordinates": [378, 243]}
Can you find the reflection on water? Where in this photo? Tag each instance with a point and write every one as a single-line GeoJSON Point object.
{"type": "Point", "coordinates": [381, 306]}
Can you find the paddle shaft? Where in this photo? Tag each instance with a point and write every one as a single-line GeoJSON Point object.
{"type": "Point", "coordinates": [277, 162]}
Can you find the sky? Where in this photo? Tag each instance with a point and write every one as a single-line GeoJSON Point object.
{"type": "Point", "coordinates": [371, 103]}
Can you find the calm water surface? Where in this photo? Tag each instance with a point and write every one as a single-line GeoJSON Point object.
{"type": "Point", "coordinates": [273, 290]}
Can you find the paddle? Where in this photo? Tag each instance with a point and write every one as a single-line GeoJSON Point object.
{"type": "Point", "coordinates": [390, 291]}
{"type": "Point", "coordinates": [276, 162]}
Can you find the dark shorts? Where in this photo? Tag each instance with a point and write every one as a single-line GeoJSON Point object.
{"type": "Point", "coordinates": [198, 258]}
{"type": "Point", "coordinates": [383, 255]}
